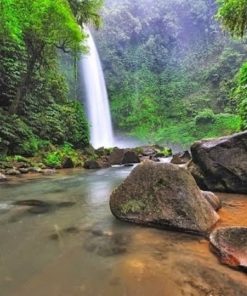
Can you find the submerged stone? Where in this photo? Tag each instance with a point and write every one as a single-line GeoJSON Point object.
{"type": "Point", "coordinates": [230, 244]}
{"type": "Point", "coordinates": [163, 196]}
{"type": "Point", "coordinates": [42, 207]}
{"type": "Point", "coordinates": [105, 243]}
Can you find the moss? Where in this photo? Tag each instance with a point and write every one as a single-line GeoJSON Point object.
{"type": "Point", "coordinates": [166, 152]}
{"type": "Point", "coordinates": [133, 206]}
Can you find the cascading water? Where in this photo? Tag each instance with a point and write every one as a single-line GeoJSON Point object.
{"type": "Point", "coordinates": [101, 132]}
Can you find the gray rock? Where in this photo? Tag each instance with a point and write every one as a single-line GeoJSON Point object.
{"type": "Point", "coordinates": [35, 170]}
{"type": "Point", "coordinates": [221, 164]}
{"type": "Point", "coordinates": [181, 158]}
{"type": "Point", "coordinates": [163, 196]}
{"type": "Point", "coordinates": [3, 178]}
{"type": "Point", "coordinates": [68, 163]}
{"type": "Point", "coordinates": [116, 156]}
{"type": "Point", "coordinates": [230, 244]}
{"type": "Point", "coordinates": [213, 199]}
{"type": "Point", "coordinates": [13, 172]}
{"type": "Point", "coordinates": [24, 170]}
{"type": "Point", "coordinates": [149, 151]}
{"type": "Point", "coordinates": [92, 165]}
{"type": "Point", "coordinates": [130, 157]}
{"type": "Point", "coordinates": [48, 172]}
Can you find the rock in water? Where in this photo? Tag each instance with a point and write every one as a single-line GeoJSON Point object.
{"type": "Point", "coordinates": [116, 156]}
{"type": "Point", "coordinates": [213, 199]}
{"type": "Point", "coordinates": [181, 158]}
{"type": "Point", "coordinates": [163, 196]}
{"type": "Point", "coordinates": [91, 165]}
{"type": "Point", "coordinates": [68, 163]}
{"type": "Point", "coordinates": [221, 164]}
{"type": "Point", "coordinates": [230, 244]}
{"type": "Point", "coordinates": [130, 157]}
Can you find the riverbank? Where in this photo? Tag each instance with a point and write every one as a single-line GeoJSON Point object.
{"type": "Point", "coordinates": [49, 162]}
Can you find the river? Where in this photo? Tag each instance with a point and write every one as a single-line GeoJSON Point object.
{"type": "Point", "coordinates": [82, 249]}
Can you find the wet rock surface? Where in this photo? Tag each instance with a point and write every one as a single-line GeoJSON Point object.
{"type": "Point", "coordinates": [230, 244]}
{"type": "Point", "coordinates": [213, 199]}
{"type": "Point", "coordinates": [116, 156]}
{"type": "Point", "coordinates": [163, 196]}
{"type": "Point", "coordinates": [68, 163]}
{"type": "Point", "coordinates": [181, 158]}
{"type": "Point", "coordinates": [221, 164]}
{"type": "Point", "coordinates": [130, 157]}
{"type": "Point", "coordinates": [92, 165]}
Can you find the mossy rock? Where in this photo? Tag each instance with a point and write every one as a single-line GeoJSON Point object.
{"type": "Point", "coordinates": [163, 196]}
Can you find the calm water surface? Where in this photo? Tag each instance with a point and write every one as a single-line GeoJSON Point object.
{"type": "Point", "coordinates": [83, 250]}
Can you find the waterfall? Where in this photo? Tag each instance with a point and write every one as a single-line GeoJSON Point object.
{"type": "Point", "coordinates": [97, 105]}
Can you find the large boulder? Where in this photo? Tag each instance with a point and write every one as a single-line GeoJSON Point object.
{"type": "Point", "coordinates": [92, 165]}
{"type": "Point", "coordinates": [130, 157]}
{"type": "Point", "coordinates": [230, 244]}
{"type": "Point", "coordinates": [164, 196]}
{"type": "Point", "coordinates": [116, 156]}
{"type": "Point", "coordinates": [68, 163]}
{"type": "Point", "coordinates": [221, 164]}
{"type": "Point", "coordinates": [123, 156]}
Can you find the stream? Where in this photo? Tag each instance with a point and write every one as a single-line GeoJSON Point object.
{"type": "Point", "coordinates": [81, 249]}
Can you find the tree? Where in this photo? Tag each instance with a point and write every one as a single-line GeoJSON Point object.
{"type": "Point", "coordinates": [86, 11]}
{"type": "Point", "coordinates": [44, 25]}
{"type": "Point", "coordinates": [233, 16]}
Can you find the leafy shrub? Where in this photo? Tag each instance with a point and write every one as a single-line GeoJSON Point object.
{"type": "Point", "coordinates": [56, 157]}
{"type": "Point", "coordinates": [240, 94]}
{"type": "Point", "coordinates": [13, 133]}
{"type": "Point", "coordinates": [62, 123]}
{"type": "Point", "coordinates": [206, 116]}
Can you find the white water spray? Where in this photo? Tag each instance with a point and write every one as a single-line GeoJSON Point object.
{"type": "Point", "coordinates": [101, 132]}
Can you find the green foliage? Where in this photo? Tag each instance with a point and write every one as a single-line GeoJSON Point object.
{"type": "Point", "coordinates": [187, 132]}
{"type": "Point", "coordinates": [167, 62]}
{"type": "Point", "coordinates": [86, 11]}
{"type": "Point", "coordinates": [13, 133]}
{"type": "Point", "coordinates": [232, 14]}
{"type": "Point", "coordinates": [239, 94]}
{"type": "Point", "coordinates": [206, 116]}
{"type": "Point", "coordinates": [35, 107]}
{"type": "Point", "coordinates": [33, 145]}
{"type": "Point", "coordinates": [62, 123]}
{"type": "Point", "coordinates": [57, 156]}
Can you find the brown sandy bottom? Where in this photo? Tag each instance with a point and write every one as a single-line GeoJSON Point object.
{"type": "Point", "coordinates": [83, 250]}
